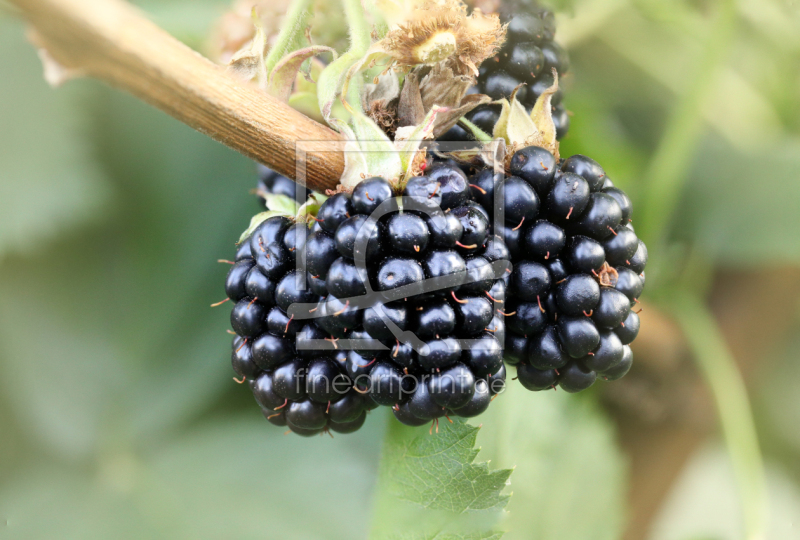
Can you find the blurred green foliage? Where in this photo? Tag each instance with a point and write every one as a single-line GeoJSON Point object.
{"type": "Point", "coordinates": [117, 412]}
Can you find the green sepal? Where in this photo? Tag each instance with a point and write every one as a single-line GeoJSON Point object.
{"type": "Point", "coordinates": [476, 132]}
{"type": "Point", "coordinates": [409, 139]}
{"type": "Point", "coordinates": [280, 203]}
{"type": "Point", "coordinates": [330, 83]}
{"type": "Point", "coordinates": [306, 103]}
{"type": "Point", "coordinates": [519, 129]}
{"type": "Point", "coordinates": [310, 208]}
{"type": "Point", "coordinates": [283, 76]}
{"type": "Point", "coordinates": [257, 220]}
{"type": "Point", "coordinates": [368, 151]}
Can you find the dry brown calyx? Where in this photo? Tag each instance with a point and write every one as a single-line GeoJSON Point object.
{"type": "Point", "coordinates": [437, 31]}
{"type": "Point", "coordinates": [607, 276]}
{"type": "Point", "coordinates": [426, 87]}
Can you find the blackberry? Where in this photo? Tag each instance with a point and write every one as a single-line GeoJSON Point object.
{"type": "Point", "coordinates": [622, 367]}
{"type": "Point", "coordinates": [578, 269]}
{"type": "Point", "coordinates": [535, 379]}
{"type": "Point", "coordinates": [306, 414]}
{"type": "Point", "coordinates": [452, 388]}
{"type": "Point", "coordinates": [404, 415]}
{"type": "Point", "coordinates": [575, 377]}
{"type": "Point", "coordinates": [527, 58]}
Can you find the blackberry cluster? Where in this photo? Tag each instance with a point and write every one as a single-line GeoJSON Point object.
{"type": "Point", "coordinates": [271, 182]}
{"type": "Point", "coordinates": [578, 269]}
{"type": "Point", "coordinates": [305, 390]}
{"type": "Point", "coordinates": [422, 316]}
{"type": "Point", "coordinates": [528, 56]}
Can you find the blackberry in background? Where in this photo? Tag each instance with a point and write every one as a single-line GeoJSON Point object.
{"type": "Point", "coordinates": [528, 56]}
{"type": "Point", "coordinates": [271, 182]}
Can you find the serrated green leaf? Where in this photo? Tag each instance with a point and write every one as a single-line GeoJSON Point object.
{"type": "Point", "coordinates": [430, 486]}
{"type": "Point", "coordinates": [450, 536]}
{"type": "Point", "coordinates": [438, 471]}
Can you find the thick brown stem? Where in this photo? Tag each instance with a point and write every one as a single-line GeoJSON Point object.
{"type": "Point", "coordinates": [114, 42]}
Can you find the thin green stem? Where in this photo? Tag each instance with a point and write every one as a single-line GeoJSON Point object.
{"type": "Point", "coordinates": [477, 132]}
{"type": "Point", "coordinates": [293, 27]}
{"type": "Point", "coordinates": [360, 38]}
{"type": "Point", "coordinates": [666, 173]}
{"type": "Point", "coordinates": [331, 79]}
{"type": "Point", "coordinates": [733, 406]}
{"type": "Point", "coordinates": [360, 41]}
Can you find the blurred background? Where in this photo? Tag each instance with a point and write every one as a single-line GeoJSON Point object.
{"type": "Point", "coordinates": [118, 415]}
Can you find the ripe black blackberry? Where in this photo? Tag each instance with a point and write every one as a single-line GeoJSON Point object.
{"type": "Point", "coordinates": [415, 290]}
{"type": "Point", "coordinates": [578, 269]}
{"type": "Point", "coordinates": [308, 391]}
{"type": "Point", "coordinates": [528, 57]}
{"type": "Point", "coordinates": [364, 261]}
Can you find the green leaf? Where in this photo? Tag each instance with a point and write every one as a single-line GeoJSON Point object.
{"type": "Point", "coordinates": [438, 472]}
{"type": "Point", "coordinates": [429, 483]}
{"type": "Point", "coordinates": [450, 536]}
